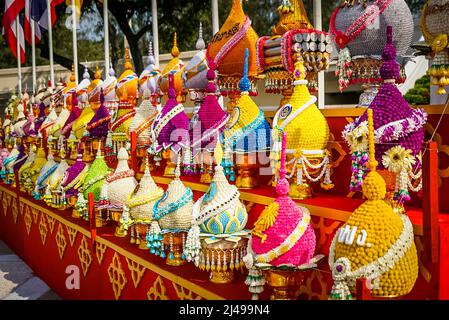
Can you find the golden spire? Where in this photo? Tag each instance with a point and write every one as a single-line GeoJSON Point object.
{"type": "Point", "coordinates": [128, 65]}
{"type": "Point", "coordinates": [293, 15]}
{"type": "Point", "coordinates": [372, 155]}
{"type": "Point", "coordinates": [175, 50]}
{"type": "Point", "coordinates": [72, 76]}
{"type": "Point", "coordinates": [97, 73]}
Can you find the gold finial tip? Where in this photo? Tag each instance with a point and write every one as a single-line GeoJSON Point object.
{"type": "Point", "coordinates": [175, 49]}
{"type": "Point", "coordinates": [97, 73]}
{"type": "Point", "coordinates": [128, 65]}
{"type": "Point", "coordinates": [72, 76]}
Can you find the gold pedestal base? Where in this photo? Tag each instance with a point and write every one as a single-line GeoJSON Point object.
{"type": "Point", "coordinates": [300, 192]}
{"type": "Point", "coordinates": [120, 232]}
{"type": "Point", "coordinates": [284, 283]}
{"type": "Point", "coordinates": [222, 277]}
{"type": "Point", "coordinates": [169, 170]}
{"type": "Point", "coordinates": [176, 261]}
{"type": "Point", "coordinates": [100, 222]}
{"type": "Point", "coordinates": [246, 172]}
{"type": "Point", "coordinates": [175, 240]}
{"type": "Point", "coordinates": [206, 178]}
{"type": "Point", "coordinates": [143, 245]}
{"type": "Point", "coordinates": [76, 214]}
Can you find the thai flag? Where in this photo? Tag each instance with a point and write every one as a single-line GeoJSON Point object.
{"type": "Point", "coordinates": [11, 31]}
{"type": "Point", "coordinates": [27, 25]}
{"type": "Point", "coordinates": [39, 12]}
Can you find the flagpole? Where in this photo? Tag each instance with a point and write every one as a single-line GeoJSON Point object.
{"type": "Point", "coordinates": [75, 48]}
{"type": "Point", "coordinates": [155, 31]}
{"type": "Point", "coordinates": [215, 22]}
{"type": "Point", "coordinates": [50, 44]}
{"type": "Point", "coordinates": [33, 54]}
{"type": "Point", "coordinates": [106, 37]}
{"type": "Point", "coordinates": [19, 66]}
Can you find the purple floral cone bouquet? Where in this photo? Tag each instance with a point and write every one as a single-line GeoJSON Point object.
{"type": "Point", "coordinates": [171, 127]}
{"type": "Point", "coordinates": [74, 114]}
{"type": "Point", "coordinates": [99, 125]}
{"type": "Point", "coordinates": [38, 120]}
{"type": "Point", "coordinates": [399, 132]}
{"type": "Point", "coordinates": [73, 178]}
{"type": "Point", "coordinates": [211, 119]}
{"type": "Point", "coordinates": [21, 158]}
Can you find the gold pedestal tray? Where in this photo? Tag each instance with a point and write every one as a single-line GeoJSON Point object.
{"type": "Point", "coordinates": [176, 241]}
{"type": "Point", "coordinates": [115, 215]}
{"type": "Point", "coordinates": [284, 283]}
{"type": "Point", "coordinates": [246, 170]}
{"type": "Point", "coordinates": [223, 258]}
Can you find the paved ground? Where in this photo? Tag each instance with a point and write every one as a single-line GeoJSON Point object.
{"type": "Point", "coordinates": [17, 281]}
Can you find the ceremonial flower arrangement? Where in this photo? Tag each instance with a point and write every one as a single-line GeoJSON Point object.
{"type": "Point", "coordinates": [398, 133]}
{"type": "Point", "coordinates": [308, 134]}
{"type": "Point", "coordinates": [282, 235]}
{"type": "Point", "coordinates": [376, 243]}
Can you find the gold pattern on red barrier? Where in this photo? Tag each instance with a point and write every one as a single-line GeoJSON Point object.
{"type": "Point", "coordinates": [336, 146]}
{"type": "Point", "coordinates": [137, 271]}
{"type": "Point", "coordinates": [323, 231]}
{"type": "Point", "coordinates": [15, 210]}
{"type": "Point", "coordinates": [51, 223]}
{"type": "Point", "coordinates": [5, 203]}
{"type": "Point", "coordinates": [158, 290]}
{"type": "Point", "coordinates": [84, 255]}
{"type": "Point", "coordinates": [100, 249]}
{"type": "Point", "coordinates": [185, 294]}
{"type": "Point", "coordinates": [61, 242]}
{"type": "Point", "coordinates": [28, 220]}
{"type": "Point", "coordinates": [117, 276]}
{"type": "Point", "coordinates": [22, 207]}
{"type": "Point", "coordinates": [315, 287]}
{"type": "Point", "coordinates": [43, 229]}
{"type": "Point", "coordinates": [35, 213]}
{"type": "Point", "coordinates": [72, 234]}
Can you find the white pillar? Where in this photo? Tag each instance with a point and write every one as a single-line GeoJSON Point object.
{"type": "Point", "coordinates": [33, 54]}
{"type": "Point", "coordinates": [215, 21]}
{"type": "Point", "coordinates": [155, 31]}
{"type": "Point", "coordinates": [318, 23]}
{"type": "Point", "coordinates": [19, 66]}
{"type": "Point", "coordinates": [106, 37]}
{"type": "Point", "coordinates": [50, 45]}
{"type": "Point", "coordinates": [74, 42]}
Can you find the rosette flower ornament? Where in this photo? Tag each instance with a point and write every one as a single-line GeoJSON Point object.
{"type": "Point", "coordinates": [282, 235]}
{"type": "Point", "coordinates": [398, 135]}
{"type": "Point", "coordinates": [375, 243]}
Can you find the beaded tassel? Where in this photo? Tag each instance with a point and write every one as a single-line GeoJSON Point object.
{"type": "Point", "coordinates": [183, 256]}
{"type": "Point", "coordinates": [207, 261]}
{"type": "Point", "coordinates": [212, 265]}
{"type": "Point", "coordinates": [225, 265]}
{"type": "Point", "coordinates": [133, 240]}
{"type": "Point", "coordinates": [231, 262]}
{"type": "Point", "coordinates": [299, 173]}
{"type": "Point", "coordinates": [172, 255]}
{"type": "Point", "coordinates": [202, 261]}
{"type": "Point", "coordinates": [218, 261]}
{"type": "Point", "coordinates": [137, 237]}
